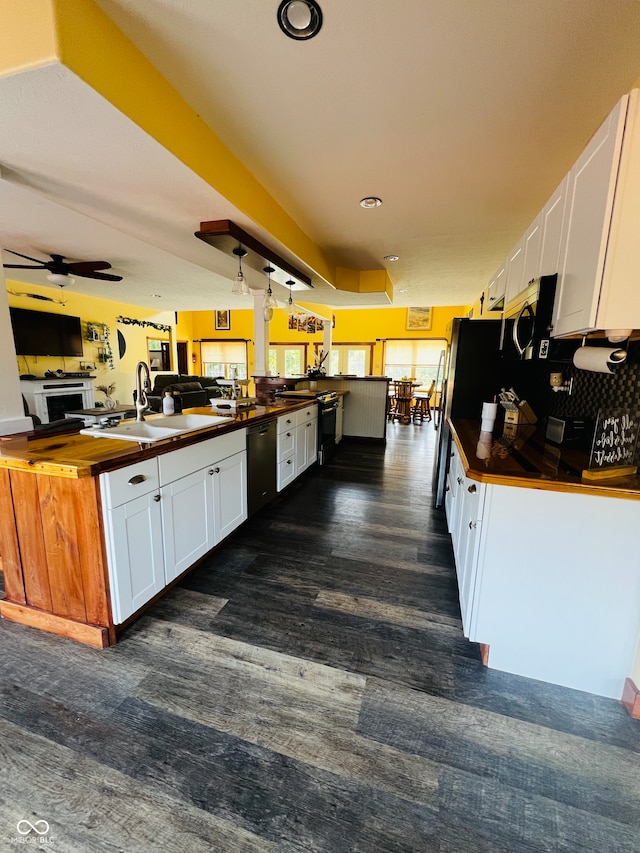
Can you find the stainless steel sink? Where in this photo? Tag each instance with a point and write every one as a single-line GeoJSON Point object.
{"type": "Point", "coordinates": [157, 428]}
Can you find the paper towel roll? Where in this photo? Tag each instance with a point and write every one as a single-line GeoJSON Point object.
{"type": "Point", "coordinates": [598, 359]}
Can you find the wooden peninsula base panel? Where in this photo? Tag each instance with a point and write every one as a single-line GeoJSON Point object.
{"type": "Point", "coordinates": [54, 563]}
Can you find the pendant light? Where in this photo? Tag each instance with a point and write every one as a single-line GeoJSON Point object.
{"type": "Point", "coordinates": [240, 287]}
{"type": "Point", "coordinates": [291, 308]}
{"type": "Point", "coordinates": [269, 302]}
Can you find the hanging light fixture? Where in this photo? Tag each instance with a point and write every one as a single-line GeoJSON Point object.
{"type": "Point", "coordinates": [291, 308]}
{"type": "Point", "coordinates": [240, 286]}
{"type": "Point", "coordinates": [269, 302]}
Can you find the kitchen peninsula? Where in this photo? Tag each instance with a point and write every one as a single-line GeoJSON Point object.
{"type": "Point", "coordinates": [93, 529]}
{"type": "Point", "coordinates": [548, 574]}
{"type": "Point", "coordinates": [365, 406]}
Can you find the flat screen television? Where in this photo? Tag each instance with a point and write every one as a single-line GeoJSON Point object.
{"type": "Point", "coordinates": [40, 333]}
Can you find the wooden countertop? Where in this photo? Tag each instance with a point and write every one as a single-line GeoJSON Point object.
{"type": "Point", "coordinates": [73, 455]}
{"type": "Point", "coordinates": [529, 461]}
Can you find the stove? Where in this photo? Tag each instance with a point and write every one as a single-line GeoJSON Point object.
{"type": "Point", "coordinates": [308, 394]}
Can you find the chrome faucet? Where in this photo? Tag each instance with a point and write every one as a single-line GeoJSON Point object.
{"type": "Point", "coordinates": [142, 386]}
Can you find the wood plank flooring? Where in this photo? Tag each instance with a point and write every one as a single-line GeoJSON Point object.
{"type": "Point", "coordinates": [308, 688]}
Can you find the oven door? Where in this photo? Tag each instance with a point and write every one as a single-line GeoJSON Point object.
{"type": "Point", "coordinates": [327, 416]}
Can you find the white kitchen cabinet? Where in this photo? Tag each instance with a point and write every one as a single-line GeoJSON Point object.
{"type": "Point", "coordinates": [162, 515]}
{"type": "Point", "coordinates": [306, 438]}
{"type": "Point", "coordinates": [470, 522]}
{"type": "Point", "coordinates": [133, 532]}
{"type": "Point", "coordinates": [532, 242]}
{"type": "Point", "coordinates": [229, 482]}
{"type": "Point", "coordinates": [286, 450]}
{"type": "Point", "coordinates": [515, 271]}
{"type": "Point", "coordinates": [559, 603]}
{"type": "Point", "coordinates": [187, 521]}
{"type": "Point", "coordinates": [552, 216]}
{"type": "Point", "coordinates": [455, 478]}
{"type": "Point", "coordinates": [497, 288]}
{"type": "Point", "coordinates": [597, 285]}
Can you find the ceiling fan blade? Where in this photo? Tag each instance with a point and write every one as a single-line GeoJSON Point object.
{"type": "Point", "coordinates": [20, 255]}
{"type": "Point", "coordinates": [23, 267]}
{"type": "Point", "coordinates": [102, 276]}
{"type": "Point", "coordinates": [86, 267]}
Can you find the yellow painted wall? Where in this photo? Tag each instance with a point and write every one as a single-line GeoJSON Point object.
{"type": "Point", "coordinates": [352, 326]}
{"type": "Point", "coordinates": [92, 309]}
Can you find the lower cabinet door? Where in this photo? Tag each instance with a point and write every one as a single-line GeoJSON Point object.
{"type": "Point", "coordinates": [311, 441]}
{"type": "Point", "coordinates": [134, 545]}
{"type": "Point", "coordinates": [187, 521]}
{"type": "Point", "coordinates": [229, 480]}
{"type": "Point", "coordinates": [286, 472]}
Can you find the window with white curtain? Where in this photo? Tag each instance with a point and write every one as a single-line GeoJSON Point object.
{"type": "Point", "coordinates": [221, 358]}
{"type": "Point", "coordinates": [413, 359]}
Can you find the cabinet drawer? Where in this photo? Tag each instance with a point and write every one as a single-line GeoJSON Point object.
{"type": "Point", "coordinates": [286, 472]}
{"type": "Point", "coordinates": [125, 484]}
{"type": "Point", "coordinates": [287, 422]}
{"type": "Point", "coordinates": [180, 463]}
{"type": "Point", "coordinates": [307, 414]}
{"type": "Point", "coordinates": [286, 444]}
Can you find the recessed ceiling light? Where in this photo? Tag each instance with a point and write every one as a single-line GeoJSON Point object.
{"type": "Point", "coordinates": [370, 201]}
{"type": "Point", "coordinates": [403, 290]}
{"type": "Point", "coordinates": [300, 19]}
{"type": "Point", "coordinates": [391, 258]}
{"type": "Point", "coordinates": [157, 295]}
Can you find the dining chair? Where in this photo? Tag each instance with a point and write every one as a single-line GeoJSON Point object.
{"type": "Point", "coordinates": [403, 394]}
{"type": "Point", "coordinates": [421, 407]}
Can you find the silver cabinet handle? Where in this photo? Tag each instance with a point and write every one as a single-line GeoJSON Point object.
{"type": "Point", "coordinates": [472, 489]}
{"type": "Point", "coordinates": [288, 462]}
{"type": "Point", "coordinates": [213, 471]}
{"type": "Point", "coordinates": [156, 498]}
{"type": "Point", "coordinates": [135, 481]}
{"type": "Point", "coordinates": [472, 524]}
{"type": "Point", "coordinates": [288, 435]}
{"type": "Point", "coordinates": [459, 479]}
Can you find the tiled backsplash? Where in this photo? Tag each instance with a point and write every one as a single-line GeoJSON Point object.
{"type": "Point", "coordinates": [591, 391]}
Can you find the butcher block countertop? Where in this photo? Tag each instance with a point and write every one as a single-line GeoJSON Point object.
{"type": "Point", "coordinates": [74, 456]}
{"type": "Point", "coordinates": [528, 461]}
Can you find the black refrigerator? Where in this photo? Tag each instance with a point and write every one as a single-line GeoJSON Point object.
{"type": "Point", "coordinates": [473, 374]}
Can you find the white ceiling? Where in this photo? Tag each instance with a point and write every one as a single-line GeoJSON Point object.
{"type": "Point", "coordinates": [462, 116]}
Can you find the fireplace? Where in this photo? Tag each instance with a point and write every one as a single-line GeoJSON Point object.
{"type": "Point", "coordinates": [49, 399]}
{"type": "Point", "coordinates": [58, 404]}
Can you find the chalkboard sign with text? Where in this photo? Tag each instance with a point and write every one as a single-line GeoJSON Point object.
{"type": "Point", "coordinates": [614, 440]}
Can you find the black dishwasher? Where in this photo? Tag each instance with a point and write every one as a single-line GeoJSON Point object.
{"type": "Point", "coordinates": [261, 464]}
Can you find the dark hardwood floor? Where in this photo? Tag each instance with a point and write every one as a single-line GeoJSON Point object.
{"type": "Point", "coordinates": [308, 688]}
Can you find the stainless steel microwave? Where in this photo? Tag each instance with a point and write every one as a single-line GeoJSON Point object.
{"type": "Point", "coordinates": [526, 331]}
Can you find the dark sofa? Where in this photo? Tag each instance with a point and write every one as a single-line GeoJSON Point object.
{"type": "Point", "coordinates": [194, 390]}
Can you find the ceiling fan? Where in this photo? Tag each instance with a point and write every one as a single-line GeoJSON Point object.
{"type": "Point", "coordinates": [59, 269]}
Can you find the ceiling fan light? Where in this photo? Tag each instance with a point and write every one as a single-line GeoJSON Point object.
{"type": "Point", "coordinates": [59, 278]}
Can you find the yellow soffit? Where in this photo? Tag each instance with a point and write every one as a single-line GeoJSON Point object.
{"type": "Point", "coordinates": [81, 37]}
{"type": "Point", "coordinates": [365, 281]}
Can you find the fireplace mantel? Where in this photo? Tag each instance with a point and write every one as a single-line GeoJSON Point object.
{"type": "Point", "coordinates": [37, 392]}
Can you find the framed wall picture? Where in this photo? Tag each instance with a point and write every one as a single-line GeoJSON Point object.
{"type": "Point", "coordinates": [222, 320]}
{"type": "Point", "coordinates": [418, 319]}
